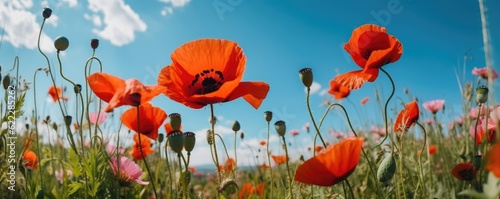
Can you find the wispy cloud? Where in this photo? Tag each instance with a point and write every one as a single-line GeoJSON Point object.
{"type": "Point", "coordinates": [120, 21]}
{"type": "Point", "coordinates": [315, 87]}
{"type": "Point", "coordinates": [171, 4]}
{"type": "Point", "coordinates": [16, 18]}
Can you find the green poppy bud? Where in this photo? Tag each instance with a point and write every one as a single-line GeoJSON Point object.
{"type": "Point", "coordinates": [242, 135]}
{"type": "Point", "coordinates": [61, 43]}
{"type": "Point", "coordinates": [236, 126]}
{"type": "Point", "coordinates": [386, 169]}
{"type": "Point", "coordinates": [189, 141]}
{"type": "Point", "coordinates": [67, 120]}
{"type": "Point", "coordinates": [481, 94]}
{"type": "Point", "coordinates": [175, 121]}
{"type": "Point", "coordinates": [280, 127]}
{"type": "Point", "coordinates": [268, 116]}
{"type": "Point", "coordinates": [77, 88]}
{"type": "Point", "coordinates": [306, 76]}
{"type": "Point", "coordinates": [228, 187]}
{"type": "Point", "coordinates": [6, 82]}
{"type": "Point", "coordinates": [46, 13]}
{"type": "Point", "coordinates": [176, 141]}
{"type": "Point", "coordinates": [161, 137]}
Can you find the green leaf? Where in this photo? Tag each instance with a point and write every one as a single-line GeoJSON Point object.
{"type": "Point", "coordinates": [74, 187]}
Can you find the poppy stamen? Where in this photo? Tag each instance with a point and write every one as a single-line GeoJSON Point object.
{"type": "Point", "coordinates": [209, 81]}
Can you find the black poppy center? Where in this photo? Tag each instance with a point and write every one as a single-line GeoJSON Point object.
{"type": "Point", "coordinates": [206, 82]}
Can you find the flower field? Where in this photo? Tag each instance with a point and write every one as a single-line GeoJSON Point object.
{"type": "Point", "coordinates": [412, 154]}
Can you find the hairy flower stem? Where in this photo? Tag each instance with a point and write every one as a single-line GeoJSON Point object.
{"type": "Point", "coordinates": [420, 166]}
{"type": "Point", "coordinates": [475, 131]}
{"type": "Point", "coordinates": [290, 179]}
{"type": "Point", "coordinates": [142, 153]}
{"type": "Point", "coordinates": [312, 118]}
{"type": "Point", "coordinates": [269, 159]}
{"type": "Point", "coordinates": [401, 165]}
{"type": "Point", "coordinates": [385, 108]}
{"type": "Point", "coordinates": [214, 152]}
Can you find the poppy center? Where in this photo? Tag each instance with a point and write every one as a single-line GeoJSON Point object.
{"type": "Point", "coordinates": [206, 82]}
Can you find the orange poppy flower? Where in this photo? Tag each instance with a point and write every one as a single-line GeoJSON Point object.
{"type": "Point", "coordinates": [150, 117]}
{"type": "Point", "coordinates": [494, 160]}
{"type": "Point", "coordinates": [371, 48]}
{"type": "Point", "coordinates": [279, 159]}
{"type": "Point", "coordinates": [332, 165]}
{"type": "Point", "coordinates": [30, 159]}
{"type": "Point", "coordinates": [209, 71]}
{"type": "Point", "coordinates": [338, 90]}
{"type": "Point", "coordinates": [246, 191]}
{"type": "Point", "coordinates": [464, 171]}
{"type": "Point", "coordinates": [118, 92]}
{"type": "Point", "coordinates": [261, 187]}
{"type": "Point", "coordinates": [432, 149]}
{"type": "Point", "coordinates": [229, 165]}
{"type": "Point", "coordinates": [264, 166]}
{"type": "Point", "coordinates": [192, 169]}
{"type": "Point", "coordinates": [145, 144]}
{"type": "Point", "coordinates": [318, 148]}
{"type": "Point", "coordinates": [407, 117]}
{"type": "Point", "coordinates": [56, 94]}
{"type": "Point", "coordinates": [262, 143]}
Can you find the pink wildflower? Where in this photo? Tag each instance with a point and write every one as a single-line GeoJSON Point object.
{"type": "Point", "coordinates": [484, 73]}
{"type": "Point", "coordinates": [94, 120]}
{"type": "Point", "coordinates": [294, 132]}
{"type": "Point", "coordinates": [433, 106]}
{"type": "Point", "coordinates": [129, 171]}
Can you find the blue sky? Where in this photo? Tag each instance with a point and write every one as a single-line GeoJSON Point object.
{"type": "Point", "coordinates": [278, 38]}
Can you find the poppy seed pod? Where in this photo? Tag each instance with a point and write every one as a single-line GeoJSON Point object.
{"type": "Point", "coordinates": [189, 141]}
{"type": "Point", "coordinates": [268, 116]}
{"type": "Point", "coordinates": [175, 121]}
{"type": "Point", "coordinates": [6, 82]}
{"type": "Point", "coordinates": [77, 88]}
{"type": "Point", "coordinates": [94, 43]}
{"type": "Point", "coordinates": [46, 13]}
{"type": "Point", "coordinates": [67, 120]}
{"type": "Point", "coordinates": [242, 135]}
{"type": "Point", "coordinates": [176, 141]}
{"type": "Point", "coordinates": [481, 94]}
{"type": "Point", "coordinates": [161, 137]}
{"type": "Point", "coordinates": [280, 127]}
{"type": "Point", "coordinates": [306, 76]}
{"type": "Point", "coordinates": [236, 126]}
{"type": "Point", "coordinates": [210, 137]}
{"type": "Point", "coordinates": [61, 43]}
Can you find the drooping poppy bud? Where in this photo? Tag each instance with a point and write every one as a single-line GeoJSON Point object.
{"type": "Point", "coordinates": [61, 43]}
{"type": "Point", "coordinates": [306, 76]}
{"type": "Point", "coordinates": [280, 127]}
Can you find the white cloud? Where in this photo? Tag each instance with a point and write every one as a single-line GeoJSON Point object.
{"type": "Point", "coordinates": [315, 87]}
{"type": "Point", "coordinates": [171, 4]}
{"type": "Point", "coordinates": [323, 92]}
{"type": "Point", "coordinates": [120, 21]}
{"type": "Point", "coordinates": [16, 18]}
{"type": "Point", "coordinates": [71, 3]}
{"type": "Point", "coordinates": [96, 20]}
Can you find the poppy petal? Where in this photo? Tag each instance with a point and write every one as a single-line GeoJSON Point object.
{"type": "Point", "coordinates": [338, 90]}
{"type": "Point", "coordinates": [253, 92]}
{"type": "Point", "coordinates": [464, 171]}
{"type": "Point", "coordinates": [151, 118]}
{"type": "Point", "coordinates": [353, 80]}
{"type": "Point", "coordinates": [494, 160]}
{"type": "Point", "coordinates": [314, 172]}
{"type": "Point", "coordinates": [105, 85]}
{"type": "Point", "coordinates": [407, 117]}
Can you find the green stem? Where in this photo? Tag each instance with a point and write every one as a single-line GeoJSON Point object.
{"type": "Point", "coordinates": [169, 189]}
{"type": "Point", "coordinates": [421, 170]}
{"type": "Point", "coordinates": [269, 158]}
{"type": "Point", "coordinates": [312, 117]}
{"type": "Point", "coordinates": [142, 154]}
{"type": "Point", "coordinates": [36, 123]}
{"type": "Point", "coordinates": [290, 179]}
{"type": "Point", "coordinates": [183, 180]}
{"type": "Point", "coordinates": [219, 176]}
{"type": "Point", "coordinates": [385, 108]}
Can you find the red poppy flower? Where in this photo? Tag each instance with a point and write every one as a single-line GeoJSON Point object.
{"type": "Point", "coordinates": [432, 149]}
{"type": "Point", "coordinates": [145, 144]}
{"type": "Point", "coordinates": [262, 143]}
{"type": "Point", "coordinates": [338, 90]}
{"type": "Point", "coordinates": [332, 165]}
{"type": "Point", "coordinates": [494, 160]}
{"type": "Point", "coordinates": [318, 148]}
{"type": "Point", "coordinates": [209, 71]}
{"type": "Point", "coordinates": [56, 94]}
{"type": "Point", "coordinates": [464, 171]}
{"type": "Point", "coordinates": [118, 92]}
{"type": "Point", "coordinates": [229, 165]}
{"type": "Point", "coordinates": [30, 159]}
{"type": "Point", "coordinates": [264, 166]}
{"type": "Point", "coordinates": [169, 129]}
{"type": "Point", "coordinates": [407, 117]}
{"type": "Point", "coordinates": [279, 159]}
{"type": "Point", "coordinates": [371, 48]}
{"type": "Point", "coordinates": [246, 191]}
{"type": "Point", "coordinates": [150, 117]}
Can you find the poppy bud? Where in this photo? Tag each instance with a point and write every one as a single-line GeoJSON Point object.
{"type": "Point", "coordinates": [61, 43]}
{"type": "Point", "coordinates": [161, 137]}
{"type": "Point", "coordinates": [77, 88]}
{"type": "Point", "coordinates": [54, 126]}
{"type": "Point", "coordinates": [280, 127]}
{"type": "Point", "coordinates": [46, 13]}
{"type": "Point", "coordinates": [306, 76]}
{"type": "Point", "coordinates": [242, 135]}
{"type": "Point", "coordinates": [268, 116]}
{"type": "Point", "coordinates": [175, 121]}
{"type": "Point", "coordinates": [386, 169]}
{"type": "Point", "coordinates": [236, 126]}
{"type": "Point", "coordinates": [6, 82]}
{"type": "Point", "coordinates": [189, 141]}
{"type": "Point", "coordinates": [481, 94]}
{"type": "Point", "coordinates": [176, 141]}
{"type": "Point", "coordinates": [228, 186]}
{"type": "Point", "coordinates": [94, 43]}
{"type": "Point", "coordinates": [67, 120]}
{"type": "Point", "coordinates": [210, 137]}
